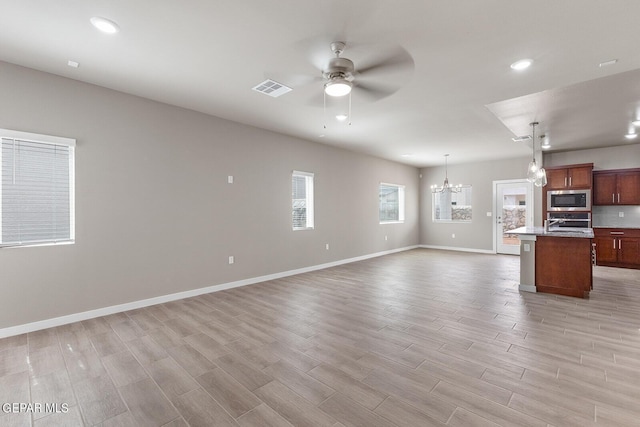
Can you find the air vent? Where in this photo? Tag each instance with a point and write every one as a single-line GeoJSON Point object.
{"type": "Point", "coordinates": [272, 88]}
{"type": "Point", "coordinates": [521, 138]}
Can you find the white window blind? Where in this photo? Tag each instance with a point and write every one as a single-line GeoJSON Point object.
{"type": "Point", "coordinates": [391, 208]}
{"type": "Point", "coordinates": [302, 200]}
{"type": "Point", "coordinates": [37, 189]}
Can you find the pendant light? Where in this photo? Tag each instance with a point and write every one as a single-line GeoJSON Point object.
{"type": "Point", "coordinates": [446, 187]}
{"type": "Point", "coordinates": [535, 174]}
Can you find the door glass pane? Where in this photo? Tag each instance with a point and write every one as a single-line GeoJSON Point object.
{"type": "Point", "coordinates": [514, 213]}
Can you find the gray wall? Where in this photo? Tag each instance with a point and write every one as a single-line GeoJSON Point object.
{"type": "Point", "coordinates": [478, 234]}
{"type": "Point", "coordinates": [620, 157]}
{"type": "Point", "coordinates": [154, 212]}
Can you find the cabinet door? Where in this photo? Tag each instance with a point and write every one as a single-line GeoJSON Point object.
{"type": "Point", "coordinates": [629, 188]}
{"type": "Point", "coordinates": [604, 189]}
{"type": "Point", "coordinates": [557, 179]}
{"type": "Point", "coordinates": [629, 250]}
{"type": "Point", "coordinates": [605, 251]}
{"type": "Point", "coordinates": [580, 177]}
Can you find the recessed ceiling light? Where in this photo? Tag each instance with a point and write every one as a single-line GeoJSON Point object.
{"type": "Point", "coordinates": [631, 135]}
{"type": "Point", "coordinates": [342, 117]}
{"type": "Point", "coordinates": [522, 64]}
{"type": "Point", "coordinates": [105, 25]}
{"type": "Point", "coordinates": [636, 122]}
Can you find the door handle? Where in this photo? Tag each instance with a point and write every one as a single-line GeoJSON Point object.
{"type": "Point", "coordinates": [565, 181]}
{"type": "Point", "coordinates": [570, 182]}
{"type": "Point", "coordinates": [618, 197]}
{"type": "Point", "coordinates": [614, 244]}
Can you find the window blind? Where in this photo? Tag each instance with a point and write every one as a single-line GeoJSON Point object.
{"type": "Point", "coordinates": [37, 192]}
{"type": "Point", "coordinates": [302, 200]}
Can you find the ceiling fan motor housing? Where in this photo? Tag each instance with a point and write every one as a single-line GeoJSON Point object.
{"type": "Point", "coordinates": [339, 67]}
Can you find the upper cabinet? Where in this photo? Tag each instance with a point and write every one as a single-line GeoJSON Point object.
{"type": "Point", "coordinates": [569, 177]}
{"type": "Point", "coordinates": [616, 187]}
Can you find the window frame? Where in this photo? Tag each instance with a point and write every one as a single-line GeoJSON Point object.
{"type": "Point", "coordinates": [309, 200]}
{"type": "Point", "coordinates": [51, 140]}
{"type": "Point", "coordinates": [401, 203]}
{"type": "Point", "coordinates": [464, 187]}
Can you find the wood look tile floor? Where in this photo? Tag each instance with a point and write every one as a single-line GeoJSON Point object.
{"type": "Point", "coordinates": [418, 338]}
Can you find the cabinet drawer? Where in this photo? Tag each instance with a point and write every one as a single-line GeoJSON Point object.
{"type": "Point", "coordinates": [616, 232]}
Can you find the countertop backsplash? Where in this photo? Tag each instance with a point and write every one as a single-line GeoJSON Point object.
{"type": "Point", "coordinates": [609, 216]}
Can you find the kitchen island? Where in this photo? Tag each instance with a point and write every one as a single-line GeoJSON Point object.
{"type": "Point", "coordinates": [558, 261]}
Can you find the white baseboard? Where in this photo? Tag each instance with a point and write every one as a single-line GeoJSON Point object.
{"type": "Point", "coordinates": [459, 249]}
{"type": "Point", "coordinates": [85, 315]}
{"type": "Point", "coordinates": [527, 288]}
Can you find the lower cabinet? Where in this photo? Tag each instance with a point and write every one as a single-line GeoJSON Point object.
{"type": "Point", "coordinates": [617, 247]}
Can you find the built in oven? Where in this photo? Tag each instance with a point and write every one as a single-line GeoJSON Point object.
{"type": "Point", "coordinates": [569, 200]}
{"type": "Point", "coordinates": [570, 219]}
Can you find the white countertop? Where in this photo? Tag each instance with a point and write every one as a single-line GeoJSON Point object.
{"type": "Point", "coordinates": [586, 233]}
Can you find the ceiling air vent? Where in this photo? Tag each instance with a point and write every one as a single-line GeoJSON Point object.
{"type": "Point", "coordinates": [272, 88]}
{"type": "Point", "coordinates": [521, 138]}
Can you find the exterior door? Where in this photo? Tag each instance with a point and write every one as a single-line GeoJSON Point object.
{"type": "Point", "coordinates": [513, 209]}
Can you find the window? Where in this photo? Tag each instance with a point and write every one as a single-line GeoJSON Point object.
{"type": "Point", "coordinates": [391, 203]}
{"type": "Point", "coordinates": [37, 191]}
{"type": "Point", "coordinates": [450, 206]}
{"type": "Point", "coordinates": [302, 200]}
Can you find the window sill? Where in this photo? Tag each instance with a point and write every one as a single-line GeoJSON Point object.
{"type": "Point", "coordinates": [37, 245]}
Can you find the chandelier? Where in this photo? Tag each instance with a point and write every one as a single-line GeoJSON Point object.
{"type": "Point", "coordinates": [446, 187]}
{"type": "Point", "coordinates": [535, 174]}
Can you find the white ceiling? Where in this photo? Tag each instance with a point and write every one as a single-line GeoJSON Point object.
{"type": "Point", "coordinates": [458, 96]}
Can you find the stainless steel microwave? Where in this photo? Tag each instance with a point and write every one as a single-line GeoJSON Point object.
{"type": "Point", "coordinates": [569, 200]}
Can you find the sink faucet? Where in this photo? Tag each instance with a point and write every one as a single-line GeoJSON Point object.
{"type": "Point", "coordinates": [549, 222]}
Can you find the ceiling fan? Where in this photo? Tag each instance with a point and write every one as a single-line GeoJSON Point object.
{"type": "Point", "coordinates": [374, 79]}
{"type": "Point", "coordinates": [378, 72]}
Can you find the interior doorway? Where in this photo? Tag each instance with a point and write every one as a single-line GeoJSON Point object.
{"type": "Point", "coordinates": [513, 208]}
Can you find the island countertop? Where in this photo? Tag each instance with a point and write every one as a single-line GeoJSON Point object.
{"type": "Point", "coordinates": [585, 233]}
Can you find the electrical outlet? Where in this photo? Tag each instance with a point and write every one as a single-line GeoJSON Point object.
{"type": "Point", "coordinates": [230, 179]}
{"type": "Point", "coordinates": [621, 214]}
{"type": "Point", "coordinates": [489, 213]}
{"type": "Point", "coordinates": [327, 246]}
{"type": "Point", "coordinates": [527, 247]}
{"type": "Point", "coordinates": [386, 237]}
{"type": "Point", "coordinates": [231, 259]}
{"type": "Point", "coordinates": [453, 235]}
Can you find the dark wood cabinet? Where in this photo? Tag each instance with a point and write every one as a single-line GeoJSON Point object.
{"type": "Point", "coordinates": [620, 187]}
{"type": "Point", "coordinates": [617, 247]}
{"type": "Point", "coordinates": [569, 177]}
{"type": "Point", "coordinates": [553, 255]}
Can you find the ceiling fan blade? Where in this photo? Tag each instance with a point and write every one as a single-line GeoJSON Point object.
{"type": "Point", "coordinates": [396, 60]}
{"type": "Point", "coordinates": [374, 92]}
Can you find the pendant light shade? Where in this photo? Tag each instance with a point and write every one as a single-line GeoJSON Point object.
{"type": "Point", "coordinates": [535, 174]}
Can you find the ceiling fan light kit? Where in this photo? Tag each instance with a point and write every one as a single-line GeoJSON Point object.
{"type": "Point", "coordinates": [338, 87]}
